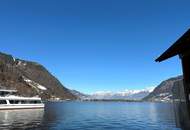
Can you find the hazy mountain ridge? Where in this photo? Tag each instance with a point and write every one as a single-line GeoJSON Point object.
{"type": "Point", "coordinates": [123, 95]}
{"type": "Point", "coordinates": [126, 94]}
{"type": "Point", "coordinates": [80, 95]}
{"type": "Point", "coordinates": [30, 79]}
{"type": "Point", "coordinates": [161, 93]}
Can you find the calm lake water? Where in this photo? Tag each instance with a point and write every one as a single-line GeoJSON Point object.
{"type": "Point", "coordinates": [91, 116]}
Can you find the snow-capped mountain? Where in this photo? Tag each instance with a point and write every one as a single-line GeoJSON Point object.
{"type": "Point", "coordinates": [126, 94]}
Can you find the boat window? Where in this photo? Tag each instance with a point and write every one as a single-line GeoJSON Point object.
{"type": "Point", "coordinates": [3, 102]}
{"type": "Point", "coordinates": [2, 93]}
{"type": "Point", "coordinates": [25, 101]}
{"type": "Point", "coordinates": [35, 101]}
{"type": "Point", "coordinates": [14, 101]}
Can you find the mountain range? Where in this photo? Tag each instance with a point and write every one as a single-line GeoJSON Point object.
{"type": "Point", "coordinates": [33, 79]}
{"type": "Point", "coordinates": [126, 94]}
{"type": "Point", "coordinates": [161, 93]}
{"type": "Point", "coordinates": [108, 95]}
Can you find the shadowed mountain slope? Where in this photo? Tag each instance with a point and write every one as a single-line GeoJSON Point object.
{"type": "Point", "coordinates": [30, 79]}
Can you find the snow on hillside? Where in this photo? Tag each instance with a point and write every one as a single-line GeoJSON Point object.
{"type": "Point", "coordinates": [164, 91]}
{"type": "Point", "coordinates": [34, 84]}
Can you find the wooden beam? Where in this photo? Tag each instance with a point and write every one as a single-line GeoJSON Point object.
{"type": "Point", "coordinates": [186, 75]}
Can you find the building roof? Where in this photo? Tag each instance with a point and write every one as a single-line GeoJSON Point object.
{"type": "Point", "coordinates": [181, 46]}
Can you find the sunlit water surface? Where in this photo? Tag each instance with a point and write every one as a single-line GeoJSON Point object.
{"type": "Point", "coordinates": [91, 116]}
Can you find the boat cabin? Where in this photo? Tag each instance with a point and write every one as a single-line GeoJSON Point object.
{"type": "Point", "coordinates": [9, 100]}
{"type": "Point", "coordinates": [20, 101]}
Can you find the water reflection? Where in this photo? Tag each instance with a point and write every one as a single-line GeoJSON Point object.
{"type": "Point", "coordinates": [91, 116]}
{"type": "Point", "coordinates": [20, 119]}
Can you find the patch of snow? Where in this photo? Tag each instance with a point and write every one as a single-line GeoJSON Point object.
{"type": "Point", "coordinates": [41, 87]}
{"type": "Point", "coordinates": [19, 62]}
{"type": "Point", "coordinates": [163, 94]}
{"type": "Point", "coordinates": [14, 59]}
{"type": "Point", "coordinates": [149, 89]}
{"type": "Point", "coordinates": [34, 84]}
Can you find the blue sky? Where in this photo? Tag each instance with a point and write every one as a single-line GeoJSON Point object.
{"type": "Point", "coordinates": [96, 45]}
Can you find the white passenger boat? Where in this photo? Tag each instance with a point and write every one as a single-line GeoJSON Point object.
{"type": "Point", "coordinates": [8, 100]}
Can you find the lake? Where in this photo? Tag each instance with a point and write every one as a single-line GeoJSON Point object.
{"type": "Point", "coordinates": [91, 116]}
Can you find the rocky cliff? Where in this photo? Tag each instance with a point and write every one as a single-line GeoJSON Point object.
{"type": "Point", "coordinates": [30, 79]}
{"type": "Point", "coordinates": [163, 92]}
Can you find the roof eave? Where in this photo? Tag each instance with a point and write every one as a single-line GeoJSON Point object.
{"type": "Point", "coordinates": [176, 48]}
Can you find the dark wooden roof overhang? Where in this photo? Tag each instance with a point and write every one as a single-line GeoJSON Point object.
{"type": "Point", "coordinates": [180, 47]}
